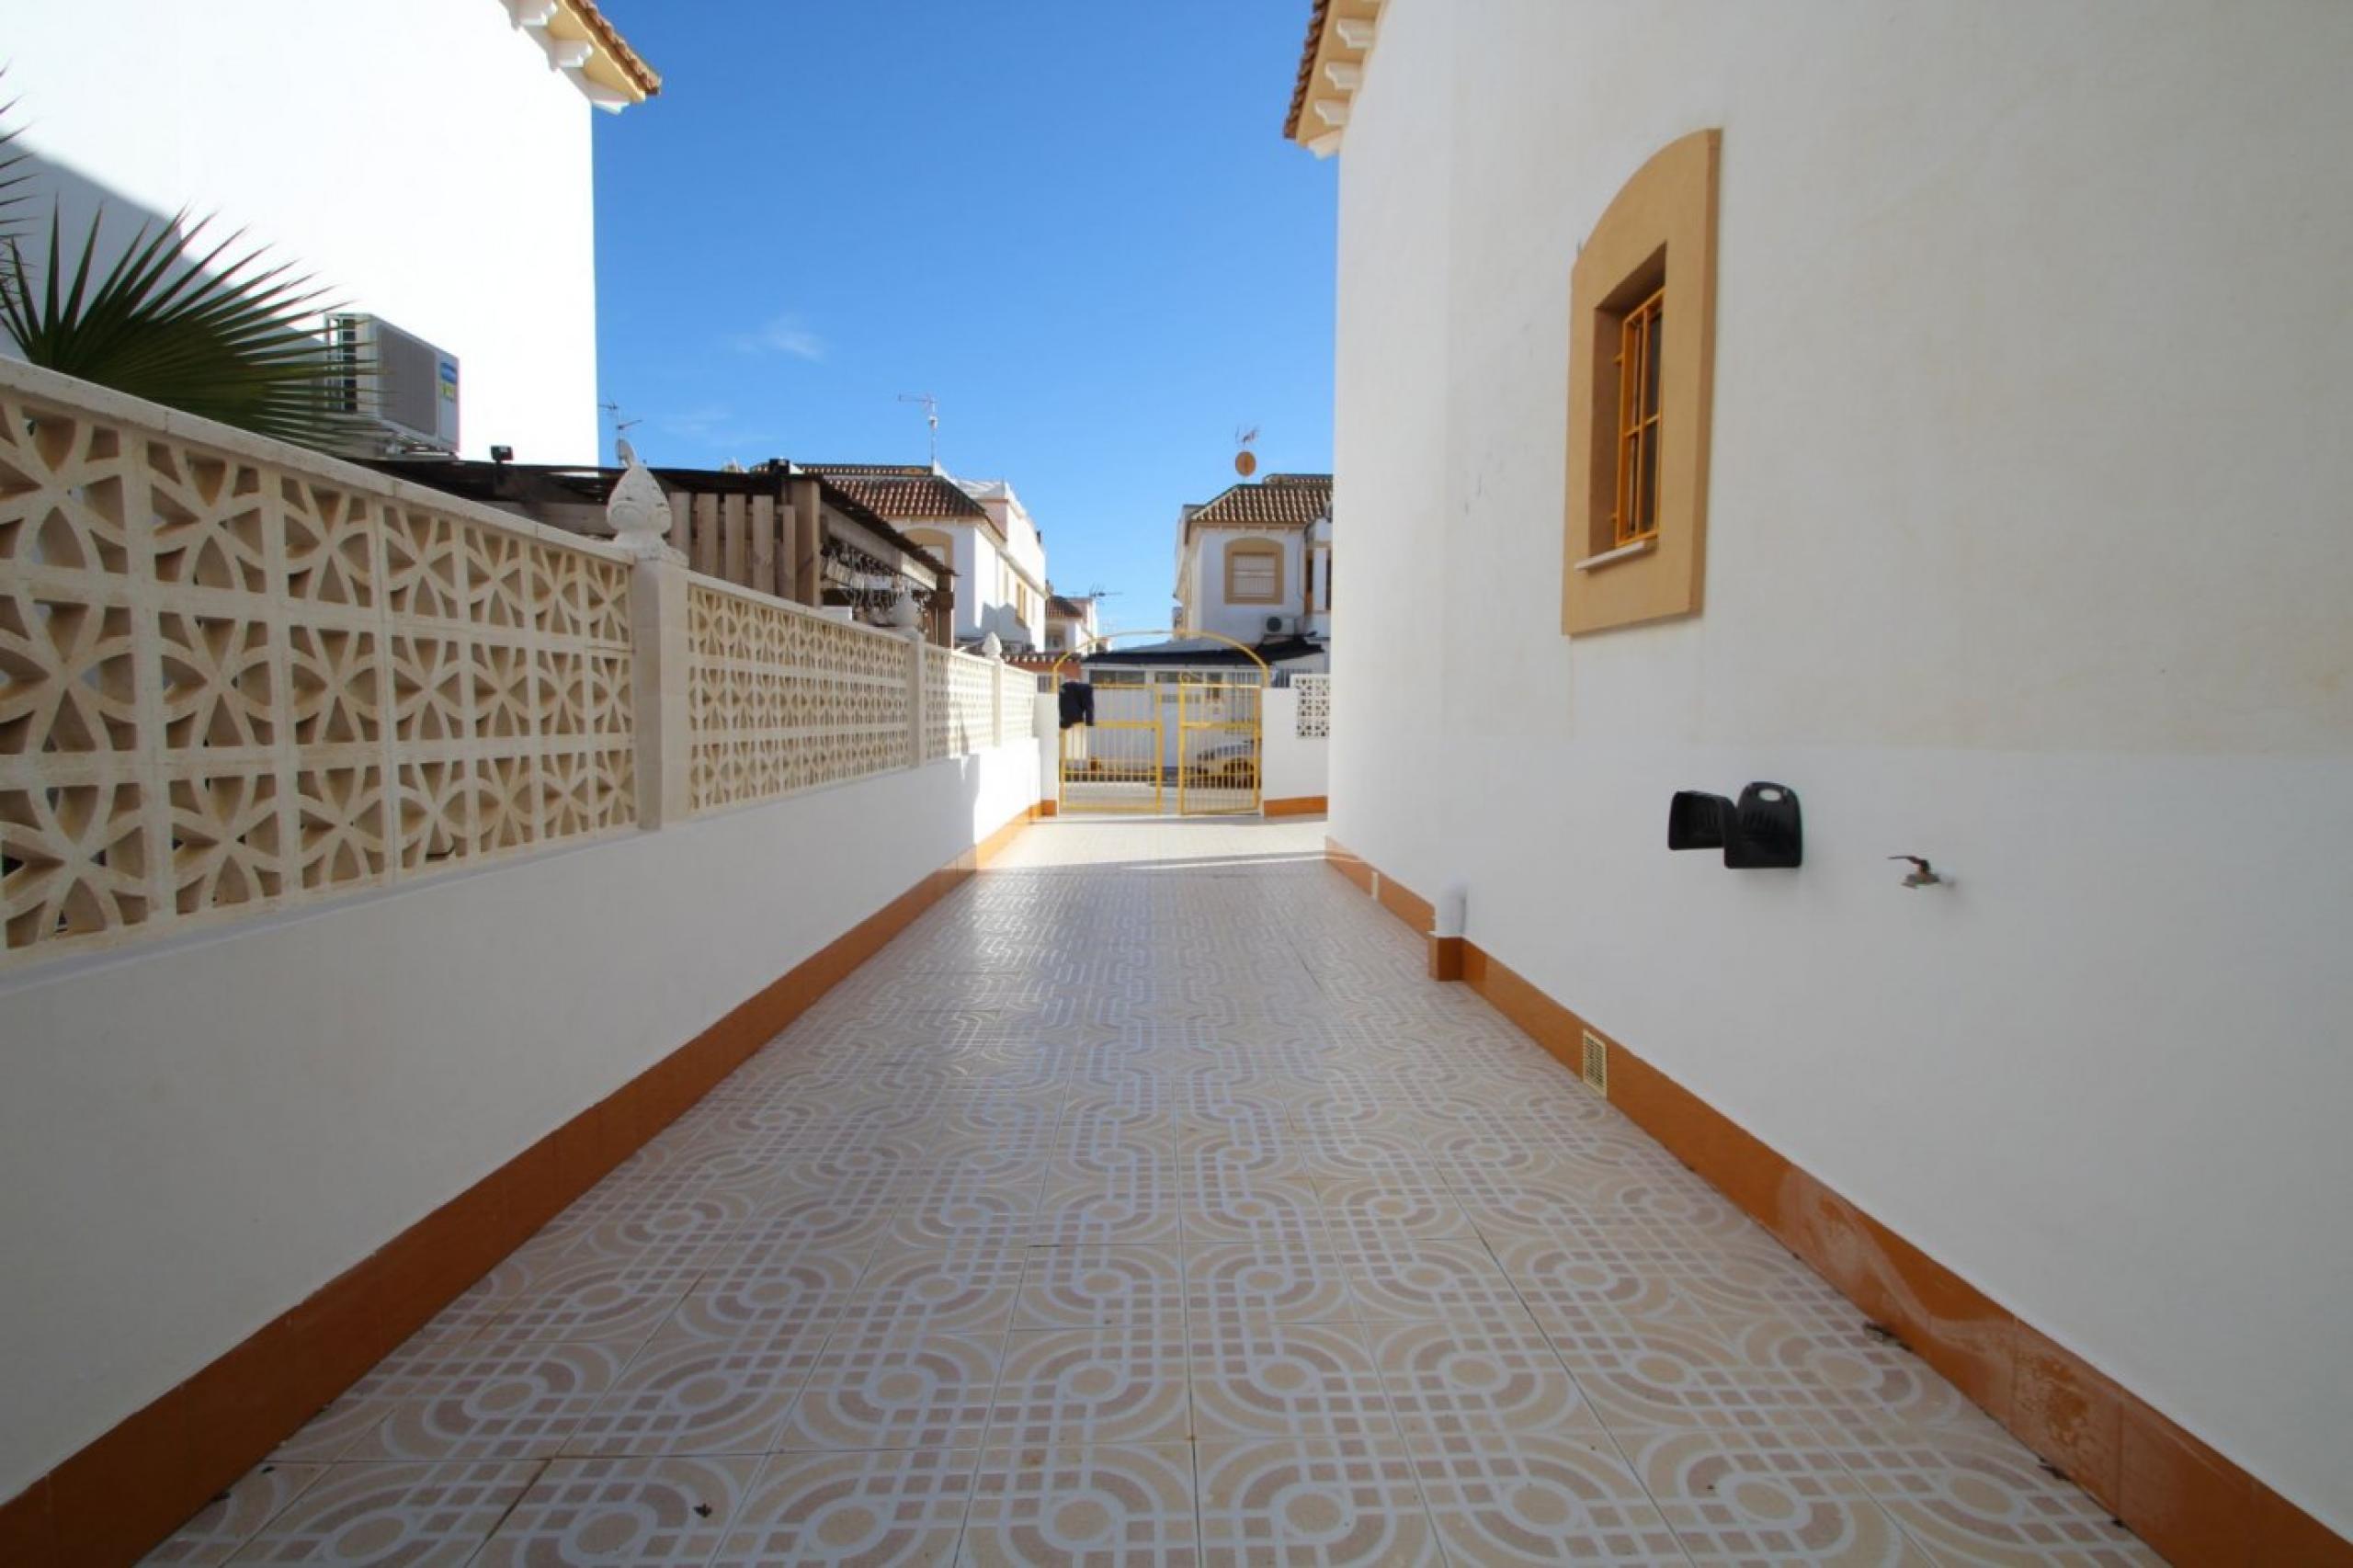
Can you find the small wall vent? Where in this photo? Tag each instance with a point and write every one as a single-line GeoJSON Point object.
{"type": "Point", "coordinates": [1596, 1064]}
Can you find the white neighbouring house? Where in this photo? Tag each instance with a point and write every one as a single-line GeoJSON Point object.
{"type": "Point", "coordinates": [1071, 622]}
{"type": "Point", "coordinates": [1992, 496]}
{"type": "Point", "coordinates": [1255, 564]}
{"type": "Point", "coordinates": [977, 528]}
{"type": "Point", "coordinates": [427, 162]}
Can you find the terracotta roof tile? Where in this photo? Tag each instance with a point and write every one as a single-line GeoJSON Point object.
{"type": "Point", "coordinates": [1315, 21]}
{"type": "Point", "coordinates": [1280, 500]}
{"type": "Point", "coordinates": [900, 494]}
{"type": "Point", "coordinates": [648, 80]}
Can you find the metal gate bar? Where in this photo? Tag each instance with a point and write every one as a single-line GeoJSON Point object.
{"type": "Point", "coordinates": [1219, 748]}
{"type": "Point", "coordinates": [1114, 764]}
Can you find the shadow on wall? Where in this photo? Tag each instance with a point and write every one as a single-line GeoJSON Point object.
{"type": "Point", "coordinates": [76, 201]}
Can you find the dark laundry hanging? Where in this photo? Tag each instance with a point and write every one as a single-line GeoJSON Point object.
{"type": "Point", "coordinates": [1077, 700]}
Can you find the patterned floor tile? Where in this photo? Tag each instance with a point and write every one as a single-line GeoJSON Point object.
{"type": "Point", "coordinates": [963, 1288]}
{"type": "Point", "coordinates": [419, 1515]}
{"type": "Point", "coordinates": [666, 1511]}
{"type": "Point", "coordinates": [1077, 1387]}
{"type": "Point", "coordinates": [1081, 1287]}
{"type": "Point", "coordinates": [928, 1390]}
{"type": "Point", "coordinates": [1279, 1282]}
{"type": "Point", "coordinates": [1521, 1497]}
{"type": "Point", "coordinates": [1112, 1506]}
{"type": "Point", "coordinates": [237, 1515]}
{"type": "Point", "coordinates": [1405, 1277]}
{"type": "Point", "coordinates": [880, 1508]}
{"type": "Point", "coordinates": [1969, 1494]}
{"type": "Point", "coordinates": [689, 1394]}
{"type": "Point", "coordinates": [1328, 1503]}
{"type": "Point", "coordinates": [1253, 1379]}
{"type": "Point", "coordinates": [1448, 1378]}
{"type": "Point", "coordinates": [1158, 1128]}
{"type": "Point", "coordinates": [519, 1404]}
{"type": "Point", "coordinates": [1775, 1495]}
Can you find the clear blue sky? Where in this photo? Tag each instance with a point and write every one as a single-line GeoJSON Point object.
{"type": "Point", "coordinates": [1078, 224]}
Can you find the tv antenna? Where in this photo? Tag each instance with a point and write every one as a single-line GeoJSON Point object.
{"type": "Point", "coordinates": [930, 417]}
{"type": "Point", "coordinates": [621, 428]}
{"type": "Point", "coordinates": [1246, 462]}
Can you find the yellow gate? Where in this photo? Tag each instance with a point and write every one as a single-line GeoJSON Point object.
{"type": "Point", "coordinates": [1125, 760]}
{"type": "Point", "coordinates": [1218, 747]}
{"type": "Point", "coordinates": [1115, 763]}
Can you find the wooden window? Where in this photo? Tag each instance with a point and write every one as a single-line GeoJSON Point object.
{"type": "Point", "coordinates": [1640, 332]}
{"type": "Point", "coordinates": [1640, 398]}
{"type": "Point", "coordinates": [1254, 571]}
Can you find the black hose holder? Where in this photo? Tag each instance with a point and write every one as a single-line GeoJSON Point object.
{"type": "Point", "coordinates": [1762, 831]}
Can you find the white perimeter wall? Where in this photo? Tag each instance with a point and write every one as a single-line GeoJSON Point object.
{"type": "Point", "coordinates": [225, 1124]}
{"type": "Point", "coordinates": [1295, 765]}
{"type": "Point", "coordinates": [418, 156]}
{"type": "Point", "coordinates": [2028, 551]}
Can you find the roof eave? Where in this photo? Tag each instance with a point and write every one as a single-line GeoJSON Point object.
{"type": "Point", "coordinates": [1340, 37]}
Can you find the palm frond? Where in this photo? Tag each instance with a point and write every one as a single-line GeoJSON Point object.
{"type": "Point", "coordinates": [213, 329]}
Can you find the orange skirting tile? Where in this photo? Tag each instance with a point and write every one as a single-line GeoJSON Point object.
{"type": "Point", "coordinates": [116, 1498]}
{"type": "Point", "coordinates": [1296, 806]}
{"type": "Point", "coordinates": [2192, 1504]}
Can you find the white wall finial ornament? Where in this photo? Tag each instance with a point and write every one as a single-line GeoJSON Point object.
{"type": "Point", "coordinates": [640, 514]}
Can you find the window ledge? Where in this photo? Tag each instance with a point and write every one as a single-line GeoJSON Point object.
{"type": "Point", "coordinates": [1624, 552]}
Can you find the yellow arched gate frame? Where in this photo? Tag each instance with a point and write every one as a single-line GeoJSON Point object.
{"type": "Point", "coordinates": [1191, 743]}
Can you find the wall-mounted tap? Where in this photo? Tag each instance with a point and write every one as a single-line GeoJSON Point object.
{"type": "Point", "coordinates": [1922, 874]}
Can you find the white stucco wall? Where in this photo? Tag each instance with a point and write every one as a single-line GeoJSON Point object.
{"type": "Point", "coordinates": [419, 158]}
{"type": "Point", "coordinates": [2028, 552]}
{"type": "Point", "coordinates": [226, 1123]}
{"type": "Point", "coordinates": [1295, 766]}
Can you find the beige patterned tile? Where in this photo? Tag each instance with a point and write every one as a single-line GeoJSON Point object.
{"type": "Point", "coordinates": [958, 1288]}
{"type": "Point", "coordinates": [1670, 1373]}
{"type": "Point", "coordinates": [1848, 1375]}
{"type": "Point", "coordinates": [1406, 1277]}
{"type": "Point", "coordinates": [1077, 1387]}
{"type": "Point", "coordinates": [1409, 1200]}
{"type": "Point", "coordinates": [1498, 1376]}
{"type": "Point", "coordinates": [880, 1508]}
{"type": "Point", "coordinates": [420, 1516]}
{"type": "Point", "coordinates": [1281, 1280]}
{"type": "Point", "coordinates": [1223, 1204]}
{"type": "Point", "coordinates": [1139, 1208]}
{"type": "Point", "coordinates": [1969, 1494]}
{"type": "Point", "coordinates": [685, 1393]}
{"type": "Point", "coordinates": [669, 1511]}
{"type": "Point", "coordinates": [928, 1390]}
{"type": "Point", "coordinates": [607, 1300]}
{"type": "Point", "coordinates": [236, 1516]}
{"type": "Point", "coordinates": [768, 1292]}
{"type": "Point", "coordinates": [1779, 1494]}
{"type": "Point", "coordinates": [1528, 1497]}
{"type": "Point", "coordinates": [953, 1213]}
{"type": "Point", "coordinates": [1111, 1506]}
{"type": "Point", "coordinates": [1085, 1286]}
{"type": "Point", "coordinates": [1347, 1503]}
{"type": "Point", "coordinates": [1592, 1277]}
{"type": "Point", "coordinates": [519, 1404]}
{"type": "Point", "coordinates": [1257, 1379]}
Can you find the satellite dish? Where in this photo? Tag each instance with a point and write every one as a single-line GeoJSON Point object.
{"type": "Point", "coordinates": [1246, 463]}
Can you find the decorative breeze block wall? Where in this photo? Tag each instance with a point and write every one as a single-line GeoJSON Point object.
{"type": "Point", "coordinates": [781, 699]}
{"type": "Point", "coordinates": [1314, 706]}
{"type": "Point", "coordinates": [233, 676]}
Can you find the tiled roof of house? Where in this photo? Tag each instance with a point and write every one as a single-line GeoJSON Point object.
{"type": "Point", "coordinates": [1315, 21]}
{"type": "Point", "coordinates": [902, 492]}
{"type": "Point", "coordinates": [1075, 609]}
{"type": "Point", "coordinates": [1280, 500]}
{"type": "Point", "coordinates": [648, 80]}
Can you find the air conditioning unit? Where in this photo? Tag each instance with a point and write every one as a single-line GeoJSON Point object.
{"type": "Point", "coordinates": [1281, 623]}
{"type": "Point", "coordinates": [411, 396]}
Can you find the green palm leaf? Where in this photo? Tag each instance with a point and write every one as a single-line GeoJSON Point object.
{"type": "Point", "coordinates": [204, 329]}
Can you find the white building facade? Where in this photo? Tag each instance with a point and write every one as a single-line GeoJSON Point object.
{"type": "Point", "coordinates": [979, 527]}
{"type": "Point", "coordinates": [1254, 563]}
{"type": "Point", "coordinates": [428, 163]}
{"type": "Point", "coordinates": [1992, 499]}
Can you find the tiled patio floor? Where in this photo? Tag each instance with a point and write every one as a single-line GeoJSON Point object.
{"type": "Point", "coordinates": [1143, 1203]}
